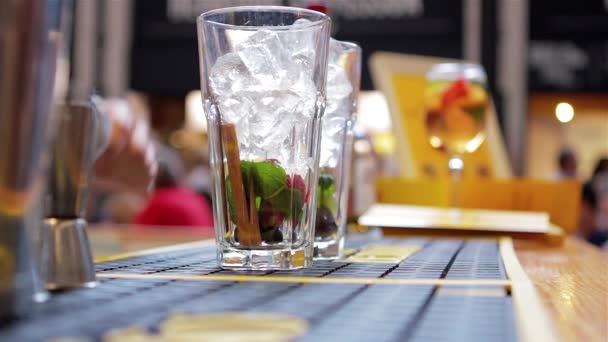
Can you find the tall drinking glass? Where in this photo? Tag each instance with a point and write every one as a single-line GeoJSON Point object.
{"type": "Point", "coordinates": [456, 103]}
{"type": "Point", "coordinates": [343, 76]}
{"type": "Point", "coordinates": [263, 76]}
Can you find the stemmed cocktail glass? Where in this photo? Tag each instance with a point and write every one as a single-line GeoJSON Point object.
{"type": "Point", "coordinates": [456, 103]}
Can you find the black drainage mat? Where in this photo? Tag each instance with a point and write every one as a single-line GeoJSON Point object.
{"type": "Point", "coordinates": [334, 312]}
{"type": "Point", "coordinates": [441, 258]}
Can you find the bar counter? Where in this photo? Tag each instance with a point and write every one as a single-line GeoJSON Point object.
{"type": "Point", "coordinates": [572, 281]}
{"type": "Point", "coordinates": [568, 299]}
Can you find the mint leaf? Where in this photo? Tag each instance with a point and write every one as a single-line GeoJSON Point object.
{"type": "Point", "coordinates": [270, 179]}
{"type": "Point", "coordinates": [289, 201]}
{"type": "Point", "coordinates": [326, 199]}
{"type": "Point", "coordinates": [270, 184]}
{"type": "Point", "coordinates": [326, 192]}
{"type": "Point", "coordinates": [230, 197]}
{"type": "Point", "coordinates": [477, 112]}
{"type": "Point", "coordinates": [325, 181]}
{"type": "Point", "coordinates": [247, 173]}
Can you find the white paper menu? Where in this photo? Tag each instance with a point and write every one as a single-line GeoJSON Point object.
{"type": "Point", "coordinates": [409, 216]}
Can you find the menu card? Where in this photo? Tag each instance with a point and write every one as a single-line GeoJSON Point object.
{"type": "Point", "coordinates": [409, 216]}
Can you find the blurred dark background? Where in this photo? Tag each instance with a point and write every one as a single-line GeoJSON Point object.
{"type": "Point", "coordinates": [536, 53]}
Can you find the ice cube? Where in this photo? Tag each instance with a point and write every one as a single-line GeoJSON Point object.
{"type": "Point", "coordinates": [338, 84]}
{"type": "Point", "coordinates": [339, 90]}
{"type": "Point", "coordinates": [339, 87]}
{"type": "Point", "coordinates": [333, 126]}
{"type": "Point", "coordinates": [336, 50]}
{"type": "Point", "coordinates": [302, 22]}
{"type": "Point", "coordinates": [235, 108]}
{"type": "Point", "coordinates": [229, 75]}
{"type": "Point", "coordinates": [332, 140]}
{"type": "Point", "coordinates": [301, 44]}
{"type": "Point", "coordinates": [266, 59]}
{"type": "Point", "coordinates": [304, 92]}
{"type": "Point", "coordinates": [266, 88]}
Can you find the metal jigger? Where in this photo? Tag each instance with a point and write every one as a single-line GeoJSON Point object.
{"type": "Point", "coordinates": [66, 254]}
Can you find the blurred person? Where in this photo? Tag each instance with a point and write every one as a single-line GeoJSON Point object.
{"type": "Point", "coordinates": [198, 177]}
{"type": "Point", "coordinates": [123, 173]}
{"type": "Point", "coordinates": [594, 209]}
{"type": "Point", "coordinates": [121, 207]}
{"type": "Point", "coordinates": [128, 163]}
{"type": "Point", "coordinates": [172, 204]}
{"type": "Point", "coordinates": [601, 167]}
{"type": "Point", "coordinates": [567, 166]}
{"type": "Point", "coordinates": [586, 224]}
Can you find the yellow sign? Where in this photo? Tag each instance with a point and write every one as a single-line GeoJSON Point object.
{"type": "Point", "coordinates": [218, 327]}
{"type": "Point", "coordinates": [382, 254]}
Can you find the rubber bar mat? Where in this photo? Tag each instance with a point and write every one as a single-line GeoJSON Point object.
{"type": "Point", "coordinates": [333, 312]}
{"type": "Point", "coordinates": [440, 258]}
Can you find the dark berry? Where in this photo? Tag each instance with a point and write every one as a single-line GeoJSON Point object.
{"type": "Point", "coordinates": [269, 216]}
{"type": "Point", "coordinates": [272, 236]}
{"type": "Point", "coordinates": [325, 224]}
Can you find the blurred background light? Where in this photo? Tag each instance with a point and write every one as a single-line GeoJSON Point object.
{"type": "Point", "coordinates": [373, 113]}
{"type": "Point", "coordinates": [564, 112]}
{"type": "Point", "coordinates": [195, 116]}
{"type": "Point", "coordinates": [435, 142]}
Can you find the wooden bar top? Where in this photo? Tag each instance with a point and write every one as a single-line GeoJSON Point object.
{"type": "Point", "coordinates": [572, 280]}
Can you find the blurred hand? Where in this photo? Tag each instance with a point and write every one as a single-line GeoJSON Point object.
{"type": "Point", "coordinates": [128, 162]}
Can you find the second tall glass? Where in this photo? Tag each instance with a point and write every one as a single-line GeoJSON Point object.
{"type": "Point", "coordinates": [263, 79]}
{"type": "Point", "coordinates": [343, 76]}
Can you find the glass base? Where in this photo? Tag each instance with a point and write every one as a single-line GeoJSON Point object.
{"type": "Point", "coordinates": [329, 250]}
{"type": "Point", "coordinates": [265, 259]}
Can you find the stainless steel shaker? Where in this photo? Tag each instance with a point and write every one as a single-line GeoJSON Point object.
{"type": "Point", "coordinates": [30, 39]}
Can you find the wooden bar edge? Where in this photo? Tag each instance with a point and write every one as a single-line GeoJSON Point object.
{"type": "Point", "coordinates": [533, 320]}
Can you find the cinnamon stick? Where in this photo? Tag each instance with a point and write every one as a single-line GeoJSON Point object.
{"type": "Point", "coordinates": [249, 233]}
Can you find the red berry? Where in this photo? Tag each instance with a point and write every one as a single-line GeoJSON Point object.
{"type": "Point", "coordinates": [457, 89]}
{"type": "Point", "coordinates": [297, 182]}
{"type": "Point", "coordinates": [318, 7]}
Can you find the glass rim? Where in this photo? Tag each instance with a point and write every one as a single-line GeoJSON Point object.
{"type": "Point", "coordinates": [457, 66]}
{"type": "Point", "coordinates": [470, 68]}
{"type": "Point", "coordinates": [351, 45]}
{"type": "Point", "coordinates": [323, 18]}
